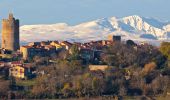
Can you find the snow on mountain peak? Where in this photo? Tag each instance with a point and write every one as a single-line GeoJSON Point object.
{"type": "Point", "coordinates": [131, 27]}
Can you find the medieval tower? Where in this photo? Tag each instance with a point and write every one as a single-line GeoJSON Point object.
{"type": "Point", "coordinates": [10, 33]}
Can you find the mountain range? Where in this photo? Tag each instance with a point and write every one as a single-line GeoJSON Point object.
{"type": "Point", "coordinates": [132, 27]}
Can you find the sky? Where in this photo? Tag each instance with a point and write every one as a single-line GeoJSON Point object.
{"type": "Point", "coordinates": [74, 12]}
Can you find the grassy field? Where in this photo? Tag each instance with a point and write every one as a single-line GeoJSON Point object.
{"type": "Point", "coordinates": [25, 82]}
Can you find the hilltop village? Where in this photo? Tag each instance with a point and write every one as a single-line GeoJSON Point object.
{"type": "Point", "coordinates": [105, 69]}
{"type": "Point", "coordinates": [16, 60]}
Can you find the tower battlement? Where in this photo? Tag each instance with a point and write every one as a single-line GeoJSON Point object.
{"type": "Point", "coordinates": [5, 20]}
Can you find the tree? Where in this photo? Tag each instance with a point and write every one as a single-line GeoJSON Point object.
{"type": "Point", "coordinates": [78, 86]}
{"type": "Point", "coordinates": [165, 49]}
{"type": "Point", "coordinates": [4, 88]}
{"type": "Point", "coordinates": [119, 55]}
{"type": "Point", "coordinates": [149, 67]}
{"type": "Point", "coordinates": [63, 54]}
{"type": "Point", "coordinates": [74, 52]}
{"type": "Point", "coordinates": [96, 85]}
{"type": "Point", "coordinates": [39, 90]}
{"type": "Point", "coordinates": [87, 84]}
{"type": "Point", "coordinates": [130, 43]}
{"type": "Point", "coordinates": [109, 59]}
{"type": "Point", "coordinates": [67, 90]}
{"type": "Point", "coordinates": [38, 60]}
{"type": "Point", "coordinates": [160, 84]}
{"type": "Point", "coordinates": [123, 91]}
{"type": "Point", "coordinates": [75, 67]}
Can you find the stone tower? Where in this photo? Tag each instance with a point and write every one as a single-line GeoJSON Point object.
{"type": "Point", "coordinates": [10, 33]}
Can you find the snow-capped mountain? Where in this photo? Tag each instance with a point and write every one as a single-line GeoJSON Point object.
{"type": "Point", "coordinates": [131, 27]}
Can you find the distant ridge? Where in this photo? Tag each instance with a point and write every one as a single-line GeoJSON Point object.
{"type": "Point", "coordinates": [132, 27]}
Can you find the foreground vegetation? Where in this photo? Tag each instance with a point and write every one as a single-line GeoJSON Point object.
{"type": "Point", "coordinates": [142, 72]}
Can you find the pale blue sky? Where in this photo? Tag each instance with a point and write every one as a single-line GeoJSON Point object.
{"type": "Point", "coordinates": [77, 11]}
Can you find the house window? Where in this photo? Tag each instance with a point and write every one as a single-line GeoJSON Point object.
{"type": "Point", "coordinates": [21, 71]}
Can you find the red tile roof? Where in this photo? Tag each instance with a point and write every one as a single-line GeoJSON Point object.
{"type": "Point", "coordinates": [16, 62]}
{"type": "Point", "coordinates": [27, 46]}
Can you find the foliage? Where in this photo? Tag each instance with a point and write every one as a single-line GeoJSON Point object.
{"type": "Point", "coordinates": [123, 55]}
{"type": "Point", "coordinates": [67, 77]}
{"type": "Point", "coordinates": [165, 49]}
{"type": "Point", "coordinates": [74, 51]}
{"type": "Point", "coordinates": [149, 67]}
{"type": "Point", "coordinates": [4, 87]}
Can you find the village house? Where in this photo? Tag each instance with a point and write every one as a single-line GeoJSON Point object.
{"type": "Point", "coordinates": [106, 42]}
{"type": "Point", "coordinates": [17, 72]}
{"type": "Point", "coordinates": [31, 51]}
{"type": "Point", "coordinates": [26, 51]}
{"type": "Point", "coordinates": [2, 64]}
{"type": "Point", "coordinates": [56, 44]}
{"type": "Point", "coordinates": [43, 43]}
{"type": "Point", "coordinates": [20, 72]}
{"type": "Point", "coordinates": [10, 64]}
{"type": "Point", "coordinates": [16, 63]}
{"type": "Point", "coordinates": [50, 49]}
{"type": "Point", "coordinates": [4, 51]}
{"type": "Point", "coordinates": [89, 50]}
{"type": "Point", "coordinates": [66, 45]}
{"type": "Point", "coordinates": [34, 43]}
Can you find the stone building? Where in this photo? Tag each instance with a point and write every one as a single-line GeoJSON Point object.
{"type": "Point", "coordinates": [26, 51]}
{"type": "Point", "coordinates": [114, 38]}
{"type": "Point", "coordinates": [10, 33]}
{"type": "Point", "coordinates": [98, 67]}
{"type": "Point", "coordinates": [32, 51]}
